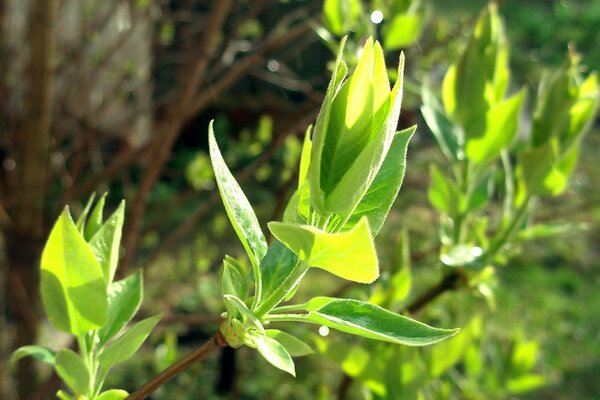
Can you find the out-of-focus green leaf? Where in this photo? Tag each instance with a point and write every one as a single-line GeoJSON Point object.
{"type": "Point", "coordinates": [73, 371]}
{"type": "Point", "coordinates": [547, 230]}
{"type": "Point", "coordinates": [495, 131]}
{"type": "Point", "coordinates": [73, 286]}
{"type": "Point", "coordinates": [448, 136]}
{"type": "Point", "coordinates": [340, 15]}
{"type": "Point", "coordinates": [349, 255]}
{"type": "Point", "coordinates": [40, 353]}
{"type": "Point", "coordinates": [403, 31]}
{"type": "Point", "coordinates": [443, 194]}
{"type": "Point", "coordinates": [113, 394]}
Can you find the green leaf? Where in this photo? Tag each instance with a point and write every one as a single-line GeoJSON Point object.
{"type": "Point", "coordinates": [443, 193]}
{"type": "Point", "coordinates": [124, 300]}
{"type": "Point", "coordinates": [126, 345]}
{"type": "Point", "coordinates": [449, 137]}
{"type": "Point", "coordinates": [373, 322]}
{"type": "Point", "coordinates": [40, 353]}
{"type": "Point", "coordinates": [305, 157]}
{"type": "Point", "coordinates": [350, 255]}
{"type": "Point", "coordinates": [105, 242]}
{"type": "Point", "coordinates": [73, 287]}
{"type": "Point", "coordinates": [238, 209]}
{"type": "Point", "coordinates": [73, 371]}
{"type": "Point", "coordinates": [403, 31]}
{"type": "Point", "coordinates": [113, 394]}
{"type": "Point", "coordinates": [95, 221]}
{"type": "Point", "coordinates": [495, 130]}
{"type": "Point", "coordinates": [294, 346]}
{"type": "Point", "coordinates": [547, 230]}
{"type": "Point", "coordinates": [317, 199]}
{"type": "Point", "coordinates": [233, 280]}
{"type": "Point", "coordinates": [359, 170]}
{"type": "Point", "coordinates": [340, 15]}
{"type": "Point", "coordinates": [80, 224]}
{"type": "Point", "coordinates": [276, 266]}
{"type": "Point", "coordinates": [378, 200]}
{"type": "Point", "coordinates": [274, 353]}
{"type": "Point", "coordinates": [249, 319]}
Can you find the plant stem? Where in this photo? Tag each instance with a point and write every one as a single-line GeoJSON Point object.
{"type": "Point", "coordinates": [212, 345]}
{"type": "Point", "coordinates": [502, 238]}
{"type": "Point", "coordinates": [282, 291]}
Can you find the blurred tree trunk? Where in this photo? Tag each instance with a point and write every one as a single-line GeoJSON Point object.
{"type": "Point", "coordinates": [24, 238]}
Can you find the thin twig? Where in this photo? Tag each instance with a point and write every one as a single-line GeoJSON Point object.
{"type": "Point", "coordinates": [208, 348]}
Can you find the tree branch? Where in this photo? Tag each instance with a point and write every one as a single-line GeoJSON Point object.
{"type": "Point", "coordinates": [208, 348]}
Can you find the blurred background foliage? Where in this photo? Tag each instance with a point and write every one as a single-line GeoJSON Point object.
{"type": "Point", "coordinates": [127, 112]}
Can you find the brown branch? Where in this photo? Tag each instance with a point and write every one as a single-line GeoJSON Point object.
{"type": "Point", "coordinates": [242, 66]}
{"type": "Point", "coordinates": [173, 126]}
{"type": "Point", "coordinates": [208, 348]}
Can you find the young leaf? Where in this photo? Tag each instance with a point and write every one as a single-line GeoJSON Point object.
{"type": "Point", "coordinates": [73, 371]}
{"type": "Point", "coordinates": [317, 199]}
{"type": "Point", "coordinates": [80, 224]}
{"type": "Point", "coordinates": [443, 194]}
{"type": "Point", "coordinates": [95, 221]}
{"type": "Point", "coordinates": [274, 353]}
{"type": "Point", "coordinates": [378, 200]}
{"type": "Point", "coordinates": [250, 320]}
{"type": "Point", "coordinates": [61, 395]}
{"type": "Point", "coordinates": [233, 281]}
{"type": "Point", "coordinates": [238, 209]}
{"type": "Point", "coordinates": [373, 322]}
{"type": "Point", "coordinates": [448, 136]}
{"type": "Point", "coordinates": [126, 345]}
{"type": "Point", "coordinates": [294, 346]}
{"type": "Point", "coordinates": [73, 287]}
{"type": "Point", "coordinates": [402, 31]}
{"type": "Point", "coordinates": [105, 242]}
{"type": "Point", "coordinates": [124, 300]}
{"type": "Point", "coordinates": [350, 255]}
{"type": "Point", "coordinates": [40, 353]}
{"type": "Point", "coordinates": [276, 266]}
{"type": "Point", "coordinates": [305, 157]}
{"type": "Point", "coordinates": [494, 131]}
{"type": "Point", "coordinates": [113, 394]}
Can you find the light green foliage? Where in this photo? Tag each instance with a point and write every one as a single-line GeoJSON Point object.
{"type": "Point", "coordinates": [350, 173]}
{"type": "Point", "coordinates": [72, 282]}
{"type": "Point", "coordinates": [72, 370]}
{"type": "Point", "coordinates": [124, 300]}
{"type": "Point", "coordinates": [355, 134]}
{"type": "Point", "coordinates": [113, 394]}
{"type": "Point", "coordinates": [126, 345]}
{"type": "Point", "coordinates": [79, 296]}
{"type": "Point", "coordinates": [239, 210]}
{"type": "Point", "coordinates": [294, 346]}
{"type": "Point", "coordinates": [40, 353]}
{"type": "Point", "coordinates": [565, 107]}
{"type": "Point", "coordinates": [349, 255]}
{"type": "Point", "coordinates": [340, 15]}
